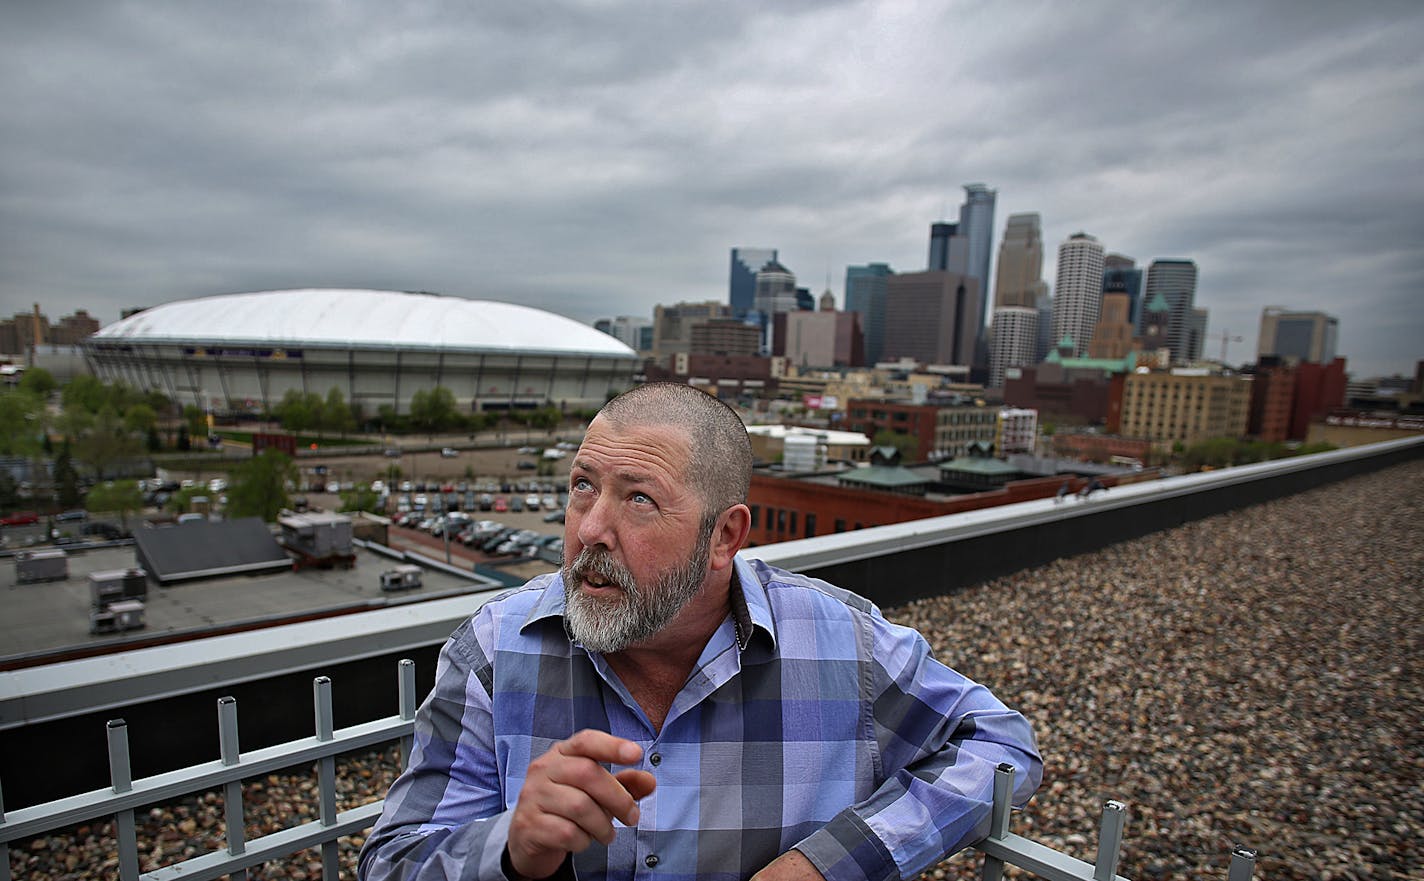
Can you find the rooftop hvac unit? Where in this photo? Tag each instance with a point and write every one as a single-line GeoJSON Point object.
{"type": "Point", "coordinates": [33, 566]}
{"type": "Point", "coordinates": [116, 586]}
{"type": "Point", "coordinates": [118, 617]}
{"type": "Point", "coordinates": [317, 535]}
{"type": "Point", "coordinates": [403, 577]}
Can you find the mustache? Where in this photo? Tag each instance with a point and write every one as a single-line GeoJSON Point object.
{"type": "Point", "coordinates": [596, 561]}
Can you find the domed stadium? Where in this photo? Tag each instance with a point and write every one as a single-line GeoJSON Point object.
{"type": "Point", "coordinates": [242, 352]}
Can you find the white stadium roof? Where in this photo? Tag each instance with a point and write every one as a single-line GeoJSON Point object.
{"type": "Point", "coordinates": [363, 318]}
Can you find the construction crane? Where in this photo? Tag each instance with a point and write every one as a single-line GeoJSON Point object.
{"type": "Point", "coordinates": [1226, 337]}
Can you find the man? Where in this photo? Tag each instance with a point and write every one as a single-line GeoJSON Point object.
{"type": "Point", "coordinates": [662, 707]}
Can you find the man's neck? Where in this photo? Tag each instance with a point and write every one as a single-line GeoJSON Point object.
{"type": "Point", "coordinates": [656, 670]}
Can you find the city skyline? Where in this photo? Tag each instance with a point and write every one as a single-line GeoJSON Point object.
{"type": "Point", "coordinates": [600, 161]}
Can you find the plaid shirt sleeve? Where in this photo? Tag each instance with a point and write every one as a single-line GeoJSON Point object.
{"type": "Point", "coordinates": [425, 830]}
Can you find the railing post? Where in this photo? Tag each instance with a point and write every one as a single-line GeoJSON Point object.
{"type": "Point", "coordinates": [4, 846]}
{"type": "Point", "coordinates": [326, 774]}
{"type": "Point", "coordinates": [406, 673]}
{"type": "Point", "coordinates": [999, 818]}
{"type": "Point", "coordinates": [1243, 864]}
{"type": "Point", "coordinates": [233, 814]}
{"type": "Point", "coordinates": [121, 778]}
{"type": "Point", "coordinates": [1110, 841]}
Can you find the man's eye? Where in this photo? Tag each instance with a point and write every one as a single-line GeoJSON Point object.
{"type": "Point", "coordinates": [581, 484]}
{"type": "Point", "coordinates": [642, 498]}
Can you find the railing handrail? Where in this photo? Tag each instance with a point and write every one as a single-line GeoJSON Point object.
{"type": "Point", "coordinates": [126, 795]}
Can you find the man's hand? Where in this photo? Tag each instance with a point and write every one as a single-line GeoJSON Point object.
{"type": "Point", "coordinates": [790, 866]}
{"type": "Point", "coordinates": [569, 800]}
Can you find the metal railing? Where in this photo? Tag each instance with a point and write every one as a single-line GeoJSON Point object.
{"type": "Point", "coordinates": [126, 795]}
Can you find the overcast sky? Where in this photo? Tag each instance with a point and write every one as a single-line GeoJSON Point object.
{"type": "Point", "coordinates": [596, 158]}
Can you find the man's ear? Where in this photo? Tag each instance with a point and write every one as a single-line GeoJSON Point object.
{"type": "Point", "coordinates": [729, 535]}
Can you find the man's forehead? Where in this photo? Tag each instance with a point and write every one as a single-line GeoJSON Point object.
{"type": "Point", "coordinates": [635, 446]}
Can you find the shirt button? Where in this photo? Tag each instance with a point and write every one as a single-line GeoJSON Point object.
{"type": "Point", "coordinates": [652, 861]}
{"type": "Point", "coordinates": [656, 759]}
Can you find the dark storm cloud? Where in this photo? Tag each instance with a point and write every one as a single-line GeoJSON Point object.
{"type": "Point", "coordinates": [596, 158]}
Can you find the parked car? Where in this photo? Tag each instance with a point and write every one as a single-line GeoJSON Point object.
{"type": "Point", "coordinates": [19, 518]}
{"type": "Point", "coordinates": [448, 453]}
{"type": "Point", "coordinates": [531, 502]}
{"type": "Point", "coordinates": [393, 453]}
{"type": "Point", "coordinates": [71, 516]}
{"type": "Point", "coordinates": [501, 505]}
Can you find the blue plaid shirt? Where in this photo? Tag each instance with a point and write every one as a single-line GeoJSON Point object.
{"type": "Point", "coordinates": [809, 722]}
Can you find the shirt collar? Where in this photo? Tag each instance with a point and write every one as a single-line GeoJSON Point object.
{"type": "Point", "coordinates": [751, 610]}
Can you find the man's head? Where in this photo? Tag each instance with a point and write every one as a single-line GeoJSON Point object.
{"type": "Point", "coordinates": [656, 512]}
{"type": "Point", "coordinates": [720, 466]}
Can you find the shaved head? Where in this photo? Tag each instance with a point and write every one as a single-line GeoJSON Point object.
{"type": "Point", "coordinates": [720, 460]}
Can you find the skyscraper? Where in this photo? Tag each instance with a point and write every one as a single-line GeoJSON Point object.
{"type": "Point", "coordinates": [1299, 336]}
{"type": "Point", "coordinates": [1013, 341]}
{"type": "Point", "coordinates": [976, 224]}
{"type": "Point", "coordinates": [949, 251]}
{"type": "Point", "coordinates": [1121, 276]}
{"type": "Point", "coordinates": [1020, 274]}
{"type": "Point", "coordinates": [931, 317]}
{"type": "Point", "coordinates": [1078, 293]}
{"type": "Point", "coordinates": [1176, 281]}
{"type": "Point", "coordinates": [1018, 287]}
{"type": "Point", "coordinates": [865, 294]}
{"type": "Point", "coordinates": [741, 287]}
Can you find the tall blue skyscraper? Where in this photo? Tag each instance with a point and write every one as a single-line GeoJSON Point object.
{"type": "Point", "coordinates": [865, 293]}
{"type": "Point", "coordinates": [741, 288]}
{"type": "Point", "coordinates": [966, 248]}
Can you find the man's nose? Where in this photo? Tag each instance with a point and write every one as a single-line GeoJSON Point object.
{"type": "Point", "coordinates": [596, 526]}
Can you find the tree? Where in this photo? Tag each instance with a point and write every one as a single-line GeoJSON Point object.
{"type": "Point", "coordinates": [107, 442]}
{"type": "Point", "coordinates": [123, 497]}
{"type": "Point", "coordinates": [66, 479]}
{"type": "Point", "coordinates": [335, 414]}
{"type": "Point", "coordinates": [38, 382]}
{"type": "Point", "coordinates": [195, 420]}
{"type": "Point", "coordinates": [259, 486]}
{"type": "Point", "coordinates": [140, 418]}
{"type": "Point", "coordinates": [433, 410]}
{"type": "Point", "coordinates": [299, 411]}
{"type": "Point", "coordinates": [906, 444]}
{"type": "Point", "coordinates": [21, 423]}
{"type": "Point", "coordinates": [87, 393]}
{"type": "Point", "coordinates": [362, 498]}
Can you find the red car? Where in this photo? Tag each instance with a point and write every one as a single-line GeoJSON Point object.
{"type": "Point", "coordinates": [19, 518]}
{"type": "Point", "coordinates": [501, 504]}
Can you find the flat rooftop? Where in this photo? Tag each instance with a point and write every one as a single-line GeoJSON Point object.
{"type": "Point", "coordinates": [54, 616]}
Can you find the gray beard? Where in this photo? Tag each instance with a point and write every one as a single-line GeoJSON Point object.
{"type": "Point", "coordinates": [614, 624]}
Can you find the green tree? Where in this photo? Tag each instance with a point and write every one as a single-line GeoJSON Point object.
{"type": "Point", "coordinates": [87, 393]}
{"type": "Point", "coordinates": [106, 443]}
{"type": "Point", "coordinates": [299, 411]}
{"type": "Point", "coordinates": [140, 418]}
{"type": "Point", "coordinates": [122, 497]}
{"type": "Point", "coordinates": [21, 423]}
{"type": "Point", "coordinates": [433, 410]}
{"type": "Point", "coordinates": [335, 414]}
{"type": "Point", "coordinates": [259, 486]}
{"type": "Point", "coordinates": [181, 502]}
{"type": "Point", "coordinates": [362, 498]}
{"type": "Point", "coordinates": [906, 444]}
{"type": "Point", "coordinates": [66, 479]}
{"type": "Point", "coordinates": [38, 382]}
{"type": "Point", "coordinates": [195, 420]}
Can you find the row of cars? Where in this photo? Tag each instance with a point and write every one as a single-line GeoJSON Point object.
{"type": "Point", "coordinates": [489, 536]}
